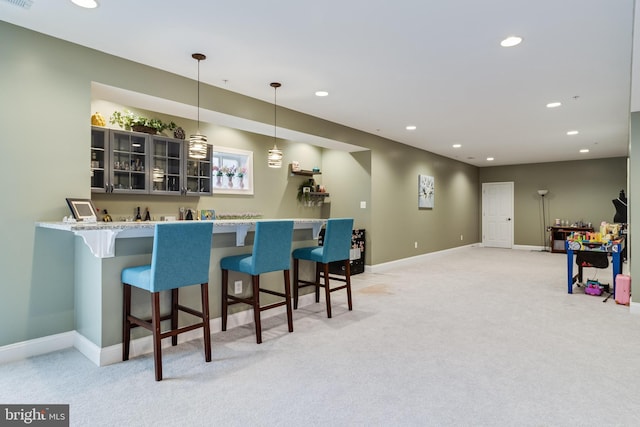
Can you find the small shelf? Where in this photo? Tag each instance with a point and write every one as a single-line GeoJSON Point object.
{"type": "Point", "coordinates": [318, 194]}
{"type": "Point", "coordinates": [305, 173]}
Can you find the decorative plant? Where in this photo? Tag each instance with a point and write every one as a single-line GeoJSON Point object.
{"type": "Point", "coordinates": [128, 120]}
{"type": "Point", "coordinates": [240, 173]}
{"type": "Point", "coordinates": [229, 170]}
{"type": "Point", "coordinates": [217, 171]}
{"type": "Point", "coordinates": [302, 195]}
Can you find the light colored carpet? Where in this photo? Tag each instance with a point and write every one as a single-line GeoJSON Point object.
{"type": "Point", "coordinates": [476, 337]}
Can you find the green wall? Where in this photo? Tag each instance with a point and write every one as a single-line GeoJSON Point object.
{"type": "Point", "coordinates": [578, 191]}
{"type": "Point", "coordinates": [46, 105]}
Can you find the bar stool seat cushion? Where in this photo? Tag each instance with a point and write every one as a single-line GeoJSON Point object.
{"type": "Point", "coordinates": [240, 263]}
{"type": "Point", "coordinates": [310, 253]}
{"type": "Point", "coordinates": [140, 277]}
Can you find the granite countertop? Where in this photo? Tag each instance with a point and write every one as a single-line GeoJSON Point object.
{"type": "Point", "coordinates": [121, 225]}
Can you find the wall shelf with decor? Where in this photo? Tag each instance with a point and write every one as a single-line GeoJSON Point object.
{"type": "Point", "coordinates": [302, 172]}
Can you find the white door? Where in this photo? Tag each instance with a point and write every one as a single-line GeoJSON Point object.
{"type": "Point", "coordinates": [497, 214]}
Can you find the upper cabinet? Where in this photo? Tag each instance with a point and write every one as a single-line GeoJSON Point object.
{"type": "Point", "coordinates": [139, 163]}
{"type": "Point", "coordinates": [173, 172]}
{"type": "Point", "coordinates": [129, 162]}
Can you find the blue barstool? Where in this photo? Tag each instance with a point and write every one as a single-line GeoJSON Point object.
{"type": "Point", "coordinates": [335, 247]}
{"type": "Point", "coordinates": [271, 252]}
{"type": "Point", "coordinates": [181, 256]}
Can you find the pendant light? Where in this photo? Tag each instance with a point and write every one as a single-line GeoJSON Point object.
{"type": "Point", "coordinates": [198, 142]}
{"type": "Point", "coordinates": [275, 155]}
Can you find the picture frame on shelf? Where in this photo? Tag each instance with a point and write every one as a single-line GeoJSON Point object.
{"type": "Point", "coordinates": [82, 209]}
{"type": "Point", "coordinates": [232, 171]}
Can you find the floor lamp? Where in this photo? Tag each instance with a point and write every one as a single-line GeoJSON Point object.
{"type": "Point", "coordinates": [543, 193]}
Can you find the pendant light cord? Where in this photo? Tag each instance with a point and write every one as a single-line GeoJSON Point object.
{"type": "Point", "coordinates": [199, 57]}
{"type": "Point", "coordinates": [198, 96]}
{"type": "Point", "coordinates": [275, 86]}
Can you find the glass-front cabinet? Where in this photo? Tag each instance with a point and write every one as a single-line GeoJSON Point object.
{"type": "Point", "coordinates": [99, 160]}
{"type": "Point", "coordinates": [198, 173]}
{"type": "Point", "coordinates": [174, 172]}
{"type": "Point", "coordinates": [129, 162]}
{"type": "Point", "coordinates": [137, 163]}
{"type": "Point", "coordinates": [166, 165]}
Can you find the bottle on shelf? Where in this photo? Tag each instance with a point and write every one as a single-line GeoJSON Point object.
{"type": "Point", "coordinates": [147, 216]}
{"type": "Point", "coordinates": [138, 217]}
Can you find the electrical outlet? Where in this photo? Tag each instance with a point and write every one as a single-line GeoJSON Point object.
{"type": "Point", "coordinates": [461, 237]}
{"type": "Point", "coordinates": [238, 287]}
{"type": "Point", "coordinates": [363, 205]}
{"type": "Point", "coordinates": [415, 245]}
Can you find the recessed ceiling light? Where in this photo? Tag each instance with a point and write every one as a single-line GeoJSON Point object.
{"type": "Point", "coordinates": [87, 4]}
{"type": "Point", "coordinates": [573, 132]}
{"type": "Point", "coordinates": [584, 150]}
{"type": "Point", "coordinates": [511, 41]}
{"type": "Point", "coordinates": [490, 159]}
{"type": "Point", "coordinates": [554, 104]}
{"type": "Point", "coordinates": [322, 93]}
{"type": "Point", "coordinates": [457, 145]}
{"type": "Point", "coordinates": [411, 127]}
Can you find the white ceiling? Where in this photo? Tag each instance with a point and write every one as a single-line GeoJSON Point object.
{"type": "Point", "coordinates": [387, 64]}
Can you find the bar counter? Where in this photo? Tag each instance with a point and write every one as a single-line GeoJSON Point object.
{"type": "Point", "coordinates": [100, 236]}
{"type": "Point", "coordinates": [99, 251]}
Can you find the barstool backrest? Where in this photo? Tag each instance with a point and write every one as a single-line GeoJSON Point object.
{"type": "Point", "coordinates": [181, 254]}
{"type": "Point", "coordinates": [272, 246]}
{"type": "Point", "coordinates": [337, 239]}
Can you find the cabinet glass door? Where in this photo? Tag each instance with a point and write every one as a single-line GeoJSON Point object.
{"type": "Point", "coordinates": [99, 159]}
{"type": "Point", "coordinates": [129, 162]}
{"type": "Point", "coordinates": [166, 166]}
{"type": "Point", "coordinates": [198, 174]}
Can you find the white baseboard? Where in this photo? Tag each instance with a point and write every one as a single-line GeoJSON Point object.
{"type": "Point", "coordinates": [37, 346]}
{"type": "Point", "coordinates": [113, 354]}
{"type": "Point", "coordinates": [531, 248]}
{"type": "Point", "coordinates": [379, 268]}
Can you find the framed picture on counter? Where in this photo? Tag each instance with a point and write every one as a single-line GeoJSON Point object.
{"type": "Point", "coordinates": [82, 209]}
{"type": "Point", "coordinates": [232, 171]}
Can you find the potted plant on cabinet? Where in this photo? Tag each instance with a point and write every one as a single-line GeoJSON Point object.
{"type": "Point", "coordinates": [130, 121]}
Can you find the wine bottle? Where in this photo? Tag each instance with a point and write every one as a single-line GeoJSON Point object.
{"type": "Point", "coordinates": [147, 216]}
{"type": "Point", "coordinates": [138, 217]}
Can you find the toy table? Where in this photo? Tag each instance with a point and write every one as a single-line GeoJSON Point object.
{"type": "Point", "coordinates": [613, 247]}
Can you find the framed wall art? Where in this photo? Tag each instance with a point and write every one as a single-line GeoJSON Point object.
{"type": "Point", "coordinates": [426, 192]}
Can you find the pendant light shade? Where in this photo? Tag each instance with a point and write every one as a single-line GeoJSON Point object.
{"type": "Point", "coordinates": [275, 154]}
{"type": "Point", "coordinates": [198, 142]}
